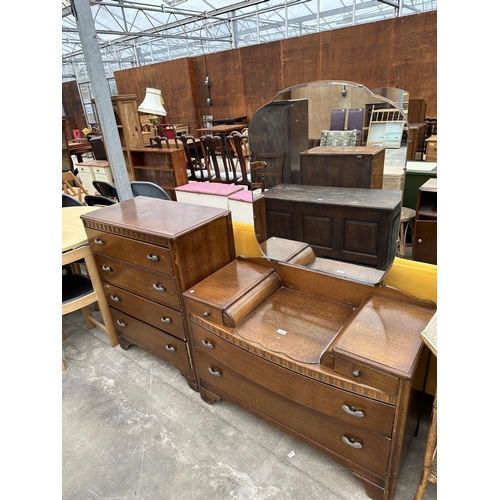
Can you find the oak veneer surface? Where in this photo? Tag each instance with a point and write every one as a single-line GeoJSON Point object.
{"type": "Point", "coordinates": [356, 402]}
{"type": "Point", "coordinates": [148, 251]}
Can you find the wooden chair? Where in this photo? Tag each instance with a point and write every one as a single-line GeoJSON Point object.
{"type": "Point", "coordinates": [195, 160]}
{"type": "Point", "coordinates": [223, 172]}
{"type": "Point", "coordinates": [79, 291]}
{"type": "Point", "coordinates": [241, 159]}
{"type": "Point", "coordinates": [72, 186]}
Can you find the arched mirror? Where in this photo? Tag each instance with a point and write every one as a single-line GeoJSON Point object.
{"type": "Point", "coordinates": [318, 139]}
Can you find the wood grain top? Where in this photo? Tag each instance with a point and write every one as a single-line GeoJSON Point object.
{"type": "Point", "coordinates": [385, 334]}
{"type": "Point", "coordinates": [383, 199]}
{"type": "Point", "coordinates": [160, 218]}
{"type": "Point", "coordinates": [73, 231]}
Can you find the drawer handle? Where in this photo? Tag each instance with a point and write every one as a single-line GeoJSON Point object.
{"type": "Point", "coordinates": [356, 373]}
{"type": "Point", "coordinates": [106, 268]}
{"type": "Point", "coordinates": [115, 298]}
{"type": "Point", "coordinates": [166, 320]}
{"type": "Point", "coordinates": [350, 410]}
{"type": "Point", "coordinates": [207, 344]}
{"type": "Point", "coordinates": [98, 242]}
{"type": "Point", "coordinates": [152, 257]}
{"type": "Point", "coordinates": [214, 372]}
{"type": "Point", "coordinates": [121, 323]}
{"type": "Point", "coordinates": [158, 288]}
{"type": "Point", "coordinates": [171, 348]}
{"type": "Point", "coordinates": [206, 314]}
{"type": "Point", "coordinates": [420, 240]}
{"type": "Point", "coordinates": [352, 442]}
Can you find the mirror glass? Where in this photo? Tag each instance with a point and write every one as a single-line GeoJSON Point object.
{"type": "Point", "coordinates": [363, 135]}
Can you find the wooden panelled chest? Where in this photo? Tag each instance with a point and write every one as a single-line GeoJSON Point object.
{"type": "Point", "coordinates": [148, 251]}
{"type": "Point", "coordinates": [350, 224]}
{"type": "Point", "coordinates": [356, 167]}
{"type": "Point", "coordinates": [335, 364]}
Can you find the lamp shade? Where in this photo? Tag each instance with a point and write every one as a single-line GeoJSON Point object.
{"type": "Point", "coordinates": [152, 103]}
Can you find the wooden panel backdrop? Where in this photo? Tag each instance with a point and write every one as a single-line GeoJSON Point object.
{"type": "Point", "coordinates": [399, 52]}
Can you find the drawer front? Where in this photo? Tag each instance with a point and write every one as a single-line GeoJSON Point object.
{"type": "Point", "coordinates": [204, 310]}
{"type": "Point", "coordinates": [158, 343]}
{"type": "Point", "coordinates": [329, 401]}
{"type": "Point", "coordinates": [102, 174]}
{"type": "Point", "coordinates": [366, 375]}
{"type": "Point", "coordinates": [162, 317]}
{"type": "Point", "coordinates": [84, 169]}
{"type": "Point", "coordinates": [364, 448]}
{"type": "Point", "coordinates": [154, 286]}
{"type": "Point", "coordinates": [151, 256]}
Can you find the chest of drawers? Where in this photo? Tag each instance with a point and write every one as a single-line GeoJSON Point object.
{"type": "Point", "coordinates": [148, 251]}
{"type": "Point", "coordinates": [333, 363]}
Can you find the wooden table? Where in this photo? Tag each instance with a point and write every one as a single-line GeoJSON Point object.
{"type": "Point", "coordinates": [223, 130]}
{"type": "Point", "coordinates": [73, 237]}
{"type": "Point", "coordinates": [73, 232]}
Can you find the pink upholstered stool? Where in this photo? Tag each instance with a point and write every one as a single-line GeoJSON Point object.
{"type": "Point", "coordinates": [241, 206]}
{"type": "Point", "coordinates": [210, 194]}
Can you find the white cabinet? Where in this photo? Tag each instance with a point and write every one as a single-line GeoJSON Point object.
{"type": "Point", "coordinates": [94, 170]}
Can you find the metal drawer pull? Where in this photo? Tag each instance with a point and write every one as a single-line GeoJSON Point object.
{"type": "Point", "coordinates": [166, 320]}
{"type": "Point", "coordinates": [356, 373]}
{"type": "Point", "coordinates": [98, 242]}
{"type": "Point", "coordinates": [152, 257]}
{"type": "Point", "coordinates": [121, 323]}
{"type": "Point", "coordinates": [206, 314]}
{"type": "Point", "coordinates": [350, 410]}
{"type": "Point", "coordinates": [115, 298]}
{"type": "Point", "coordinates": [214, 372]}
{"type": "Point", "coordinates": [352, 443]}
{"type": "Point", "coordinates": [106, 268]}
{"type": "Point", "coordinates": [158, 288]}
{"type": "Point", "coordinates": [207, 343]}
{"type": "Point", "coordinates": [169, 347]}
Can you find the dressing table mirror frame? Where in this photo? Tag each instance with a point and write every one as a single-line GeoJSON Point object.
{"type": "Point", "coordinates": [294, 108]}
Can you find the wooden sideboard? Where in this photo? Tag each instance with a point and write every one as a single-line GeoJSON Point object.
{"type": "Point", "coordinates": [335, 364]}
{"type": "Point", "coordinates": [356, 167]}
{"type": "Point", "coordinates": [350, 224]}
{"type": "Point", "coordinates": [148, 251]}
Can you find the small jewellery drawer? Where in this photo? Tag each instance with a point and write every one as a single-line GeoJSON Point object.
{"type": "Point", "coordinates": [137, 252]}
{"type": "Point", "coordinates": [151, 339]}
{"type": "Point", "coordinates": [366, 375]}
{"type": "Point", "coordinates": [150, 284]}
{"type": "Point", "coordinates": [348, 442]}
{"type": "Point", "coordinates": [331, 402]}
{"type": "Point", "coordinates": [203, 310]}
{"type": "Point", "coordinates": [157, 315]}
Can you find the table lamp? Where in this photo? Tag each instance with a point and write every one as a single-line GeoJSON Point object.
{"type": "Point", "coordinates": [153, 105]}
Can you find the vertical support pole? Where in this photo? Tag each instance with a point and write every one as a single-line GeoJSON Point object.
{"type": "Point", "coordinates": [88, 38]}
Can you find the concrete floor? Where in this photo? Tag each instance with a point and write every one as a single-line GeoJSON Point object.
{"type": "Point", "coordinates": [133, 429]}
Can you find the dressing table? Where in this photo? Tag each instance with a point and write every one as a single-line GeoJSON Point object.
{"type": "Point", "coordinates": [333, 363]}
